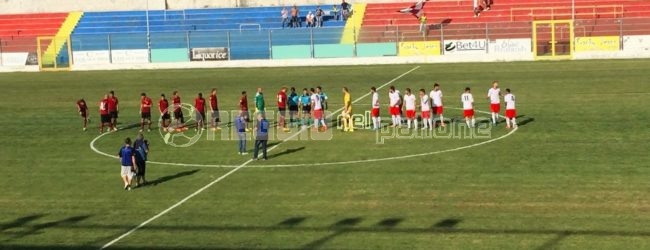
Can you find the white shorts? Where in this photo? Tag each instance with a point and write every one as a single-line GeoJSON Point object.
{"type": "Point", "coordinates": [126, 171]}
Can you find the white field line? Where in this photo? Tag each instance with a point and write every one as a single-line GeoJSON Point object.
{"type": "Point", "coordinates": [225, 175]}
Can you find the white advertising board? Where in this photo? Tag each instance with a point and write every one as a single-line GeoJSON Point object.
{"type": "Point", "coordinates": [517, 45]}
{"type": "Point", "coordinates": [91, 57]}
{"type": "Point", "coordinates": [131, 56]}
{"type": "Point", "coordinates": [13, 59]}
{"type": "Point", "coordinates": [469, 46]}
{"type": "Point", "coordinates": [636, 43]}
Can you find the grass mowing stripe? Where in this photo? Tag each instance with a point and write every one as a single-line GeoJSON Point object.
{"type": "Point", "coordinates": [230, 172]}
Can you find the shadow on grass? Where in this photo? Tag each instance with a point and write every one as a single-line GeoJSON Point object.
{"type": "Point", "coordinates": [172, 177]}
{"type": "Point", "coordinates": [343, 226]}
{"type": "Point", "coordinates": [20, 227]}
{"type": "Point", "coordinates": [286, 152]}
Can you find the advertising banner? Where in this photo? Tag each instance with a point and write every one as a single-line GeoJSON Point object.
{"type": "Point", "coordinates": [597, 43]}
{"type": "Point", "coordinates": [517, 45]}
{"type": "Point", "coordinates": [130, 56]}
{"type": "Point", "coordinates": [423, 48]}
{"type": "Point", "coordinates": [469, 46]}
{"type": "Point", "coordinates": [636, 43]}
{"type": "Point", "coordinates": [14, 59]}
{"type": "Point", "coordinates": [91, 57]}
{"type": "Point", "coordinates": [209, 54]}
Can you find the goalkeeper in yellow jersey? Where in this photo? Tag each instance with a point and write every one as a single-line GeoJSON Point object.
{"type": "Point", "coordinates": [348, 124]}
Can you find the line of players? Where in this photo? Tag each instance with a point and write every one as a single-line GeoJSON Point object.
{"type": "Point", "coordinates": [308, 107]}
{"type": "Point", "coordinates": [431, 106]}
{"type": "Point", "coordinates": [305, 109]}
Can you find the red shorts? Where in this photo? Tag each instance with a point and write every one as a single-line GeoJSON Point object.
{"type": "Point", "coordinates": [426, 114]}
{"type": "Point", "coordinates": [468, 112]}
{"type": "Point", "coordinates": [394, 110]}
{"type": "Point", "coordinates": [511, 113]}
{"type": "Point", "coordinates": [375, 112]}
{"type": "Point", "coordinates": [410, 114]}
{"type": "Point", "coordinates": [495, 107]}
{"type": "Point", "coordinates": [318, 114]}
{"type": "Point", "coordinates": [438, 110]}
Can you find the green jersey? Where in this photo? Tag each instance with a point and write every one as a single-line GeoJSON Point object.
{"type": "Point", "coordinates": [259, 101]}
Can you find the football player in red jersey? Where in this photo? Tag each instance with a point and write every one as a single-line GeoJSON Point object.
{"type": "Point", "coordinates": [214, 109]}
{"type": "Point", "coordinates": [282, 108]}
{"type": "Point", "coordinates": [199, 105]}
{"type": "Point", "coordinates": [145, 111]}
{"type": "Point", "coordinates": [163, 107]}
{"type": "Point", "coordinates": [113, 109]}
{"type": "Point", "coordinates": [83, 112]}
{"type": "Point", "coordinates": [104, 114]}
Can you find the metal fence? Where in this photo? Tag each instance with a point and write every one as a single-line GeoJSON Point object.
{"type": "Point", "coordinates": [254, 43]}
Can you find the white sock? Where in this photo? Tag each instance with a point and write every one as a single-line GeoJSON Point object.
{"type": "Point", "coordinates": [514, 122]}
{"type": "Point", "coordinates": [467, 121]}
{"type": "Point", "coordinates": [408, 123]}
{"type": "Point", "coordinates": [494, 117]}
{"type": "Point", "coordinates": [442, 121]}
{"type": "Point", "coordinates": [497, 116]}
{"type": "Point", "coordinates": [415, 122]}
{"type": "Point", "coordinates": [507, 122]}
{"type": "Point", "coordinates": [430, 123]}
{"type": "Point", "coordinates": [322, 121]}
{"type": "Point", "coordinates": [394, 120]}
{"type": "Point", "coordinates": [473, 122]}
{"type": "Point", "coordinates": [315, 123]}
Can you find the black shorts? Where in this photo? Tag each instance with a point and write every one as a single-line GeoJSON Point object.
{"type": "Point", "coordinates": [146, 115]}
{"type": "Point", "coordinates": [114, 114]}
{"type": "Point", "coordinates": [306, 109]}
{"type": "Point", "coordinates": [83, 114]}
{"type": "Point", "coordinates": [165, 116]}
{"type": "Point", "coordinates": [282, 111]}
{"type": "Point", "coordinates": [293, 108]}
{"type": "Point", "coordinates": [200, 116]}
{"type": "Point", "coordinates": [106, 118]}
{"type": "Point", "coordinates": [215, 115]}
{"type": "Point", "coordinates": [178, 114]}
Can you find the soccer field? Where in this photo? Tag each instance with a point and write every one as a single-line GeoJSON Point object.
{"type": "Point", "coordinates": [574, 175]}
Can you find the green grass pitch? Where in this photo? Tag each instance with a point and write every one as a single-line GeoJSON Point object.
{"type": "Point", "coordinates": [574, 176]}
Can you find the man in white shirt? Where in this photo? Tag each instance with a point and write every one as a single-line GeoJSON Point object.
{"type": "Point", "coordinates": [317, 110]}
{"type": "Point", "coordinates": [393, 103]}
{"type": "Point", "coordinates": [511, 112]}
{"type": "Point", "coordinates": [468, 107]}
{"type": "Point", "coordinates": [409, 103]}
{"type": "Point", "coordinates": [494, 95]}
{"type": "Point", "coordinates": [425, 109]}
{"type": "Point", "coordinates": [436, 102]}
{"type": "Point", "coordinates": [376, 121]}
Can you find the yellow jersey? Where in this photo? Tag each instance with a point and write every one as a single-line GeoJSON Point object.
{"type": "Point", "coordinates": [347, 102]}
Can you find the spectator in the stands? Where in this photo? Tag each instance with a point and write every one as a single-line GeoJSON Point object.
{"type": "Point", "coordinates": [335, 12]}
{"type": "Point", "coordinates": [319, 17]}
{"type": "Point", "coordinates": [285, 17]}
{"type": "Point", "coordinates": [423, 23]}
{"type": "Point", "coordinates": [488, 4]}
{"type": "Point", "coordinates": [310, 19]}
{"type": "Point", "coordinates": [345, 10]}
{"type": "Point", "coordinates": [295, 18]}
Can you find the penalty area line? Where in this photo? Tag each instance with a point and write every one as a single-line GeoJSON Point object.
{"type": "Point", "coordinates": [141, 225]}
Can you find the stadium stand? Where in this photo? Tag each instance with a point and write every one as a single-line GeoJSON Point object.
{"type": "Point", "coordinates": [18, 32]}
{"type": "Point", "coordinates": [507, 19]}
{"type": "Point", "coordinates": [247, 31]}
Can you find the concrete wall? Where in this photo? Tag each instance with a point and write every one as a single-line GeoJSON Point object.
{"type": "Point", "coordinates": [42, 6]}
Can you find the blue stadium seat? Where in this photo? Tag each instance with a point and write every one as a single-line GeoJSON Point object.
{"type": "Point", "coordinates": [199, 28]}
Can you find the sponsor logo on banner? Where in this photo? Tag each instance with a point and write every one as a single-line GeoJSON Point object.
{"type": "Point", "coordinates": [32, 59]}
{"type": "Point", "coordinates": [520, 45]}
{"type": "Point", "coordinates": [14, 59]}
{"type": "Point", "coordinates": [597, 43]}
{"type": "Point", "coordinates": [473, 46]}
{"type": "Point", "coordinates": [130, 56]}
{"type": "Point", "coordinates": [91, 57]}
{"type": "Point", "coordinates": [429, 48]}
{"type": "Point", "coordinates": [636, 43]}
{"type": "Point", "coordinates": [209, 54]}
